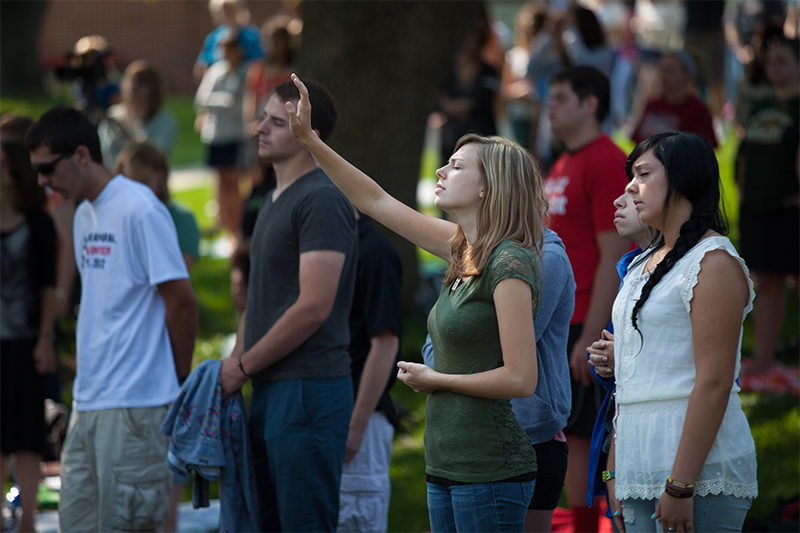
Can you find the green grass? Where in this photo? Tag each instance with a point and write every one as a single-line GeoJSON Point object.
{"type": "Point", "coordinates": [195, 200]}
{"type": "Point", "coordinates": [775, 426]}
{"type": "Point", "coordinates": [187, 150]}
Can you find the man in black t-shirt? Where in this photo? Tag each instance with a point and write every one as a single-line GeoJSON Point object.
{"type": "Point", "coordinates": [293, 337]}
{"type": "Point", "coordinates": [375, 319]}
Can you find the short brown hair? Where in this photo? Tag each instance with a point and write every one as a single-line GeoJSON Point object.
{"type": "Point", "coordinates": [137, 155]}
{"type": "Point", "coordinates": [323, 110]}
{"type": "Point", "coordinates": [144, 72]}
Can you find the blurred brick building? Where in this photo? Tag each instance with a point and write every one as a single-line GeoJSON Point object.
{"type": "Point", "coordinates": [169, 33]}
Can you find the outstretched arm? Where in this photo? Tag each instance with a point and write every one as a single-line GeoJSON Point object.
{"type": "Point", "coordinates": [518, 376]}
{"type": "Point", "coordinates": [431, 234]}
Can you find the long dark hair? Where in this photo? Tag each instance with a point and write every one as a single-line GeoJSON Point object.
{"type": "Point", "coordinates": [692, 172]}
{"type": "Point", "coordinates": [27, 193]}
{"type": "Point", "coordinates": [589, 27]}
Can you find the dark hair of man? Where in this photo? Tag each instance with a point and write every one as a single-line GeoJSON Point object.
{"type": "Point", "coordinates": [779, 39]}
{"type": "Point", "coordinates": [692, 171]}
{"type": "Point", "coordinates": [323, 110]}
{"type": "Point", "coordinates": [62, 129]}
{"type": "Point", "coordinates": [27, 193]}
{"type": "Point", "coordinates": [586, 81]}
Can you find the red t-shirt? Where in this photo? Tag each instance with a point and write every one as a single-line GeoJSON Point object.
{"type": "Point", "coordinates": [581, 188]}
{"type": "Point", "coordinates": [690, 115]}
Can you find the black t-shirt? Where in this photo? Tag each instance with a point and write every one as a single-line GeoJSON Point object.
{"type": "Point", "coordinates": [769, 150]}
{"type": "Point", "coordinates": [253, 205]}
{"type": "Point", "coordinates": [310, 215]}
{"type": "Point", "coordinates": [28, 257]}
{"type": "Point", "coordinates": [376, 304]}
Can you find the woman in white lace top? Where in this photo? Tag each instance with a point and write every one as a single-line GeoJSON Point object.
{"type": "Point", "coordinates": [683, 456]}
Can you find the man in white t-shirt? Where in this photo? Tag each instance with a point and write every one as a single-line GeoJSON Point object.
{"type": "Point", "coordinates": [135, 335]}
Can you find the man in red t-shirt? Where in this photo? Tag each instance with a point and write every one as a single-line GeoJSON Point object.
{"type": "Point", "coordinates": [676, 109]}
{"type": "Point", "coordinates": [581, 186]}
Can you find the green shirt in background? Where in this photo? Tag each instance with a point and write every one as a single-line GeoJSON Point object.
{"type": "Point", "coordinates": [470, 439]}
{"type": "Point", "coordinates": [188, 233]}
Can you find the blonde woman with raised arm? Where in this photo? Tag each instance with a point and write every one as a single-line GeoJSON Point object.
{"type": "Point", "coordinates": [481, 468]}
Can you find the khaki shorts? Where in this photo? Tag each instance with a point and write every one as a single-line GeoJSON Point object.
{"type": "Point", "coordinates": [114, 475]}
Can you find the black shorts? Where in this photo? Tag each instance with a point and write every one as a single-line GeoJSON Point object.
{"type": "Point", "coordinates": [224, 155]}
{"type": "Point", "coordinates": [551, 464]}
{"type": "Point", "coordinates": [586, 401]}
{"type": "Point", "coordinates": [770, 242]}
{"type": "Point", "coordinates": [22, 425]}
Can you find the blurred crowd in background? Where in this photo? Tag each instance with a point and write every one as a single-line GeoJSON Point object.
{"type": "Point", "coordinates": [697, 66]}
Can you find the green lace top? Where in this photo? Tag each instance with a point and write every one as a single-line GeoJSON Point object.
{"type": "Point", "coordinates": [470, 439]}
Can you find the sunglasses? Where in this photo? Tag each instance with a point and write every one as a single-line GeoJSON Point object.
{"type": "Point", "coordinates": [45, 169]}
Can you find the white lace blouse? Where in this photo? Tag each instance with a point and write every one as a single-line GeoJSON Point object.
{"type": "Point", "coordinates": [655, 376]}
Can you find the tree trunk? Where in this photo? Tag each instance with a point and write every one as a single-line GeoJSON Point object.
{"type": "Point", "coordinates": [384, 63]}
{"type": "Point", "coordinates": [19, 26]}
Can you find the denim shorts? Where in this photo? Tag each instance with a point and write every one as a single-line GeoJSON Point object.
{"type": "Point", "coordinates": [485, 507]}
{"type": "Point", "coordinates": [711, 513]}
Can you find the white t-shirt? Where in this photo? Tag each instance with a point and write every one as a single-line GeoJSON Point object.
{"type": "Point", "coordinates": [656, 375]}
{"type": "Point", "coordinates": [125, 245]}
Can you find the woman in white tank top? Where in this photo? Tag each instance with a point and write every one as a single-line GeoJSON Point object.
{"type": "Point", "coordinates": [683, 456]}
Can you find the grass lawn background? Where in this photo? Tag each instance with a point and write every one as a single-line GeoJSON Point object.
{"type": "Point", "coordinates": [774, 420]}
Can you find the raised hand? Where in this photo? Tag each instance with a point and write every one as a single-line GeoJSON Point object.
{"type": "Point", "coordinates": [300, 115]}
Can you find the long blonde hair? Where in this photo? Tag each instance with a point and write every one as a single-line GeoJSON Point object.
{"type": "Point", "coordinates": [513, 208]}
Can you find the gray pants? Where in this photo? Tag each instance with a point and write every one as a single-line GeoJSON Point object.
{"type": "Point", "coordinates": [114, 475]}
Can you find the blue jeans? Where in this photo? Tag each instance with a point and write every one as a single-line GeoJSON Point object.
{"type": "Point", "coordinates": [298, 431]}
{"type": "Point", "coordinates": [711, 513]}
{"type": "Point", "coordinates": [484, 507]}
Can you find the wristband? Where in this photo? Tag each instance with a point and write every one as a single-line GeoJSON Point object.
{"type": "Point", "coordinates": [608, 475]}
{"type": "Point", "coordinates": [680, 490]}
{"type": "Point", "coordinates": [675, 494]}
{"type": "Point", "coordinates": [49, 335]}
{"type": "Point", "coordinates": [678, 484]}
{"type": "Point", "coordinates": [239, 364]}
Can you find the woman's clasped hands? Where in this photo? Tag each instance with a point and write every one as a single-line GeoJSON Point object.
{"type": "Point", "coordinates": [601, 355]}
{"type": "Point", "coordinates": [417, 376]}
